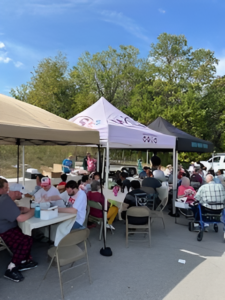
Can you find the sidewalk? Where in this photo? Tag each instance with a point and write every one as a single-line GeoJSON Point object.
{"type": "Point", "coordinates": [137, 272]}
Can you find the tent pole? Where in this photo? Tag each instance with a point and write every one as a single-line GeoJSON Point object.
{"type": "Point", "coordinates": [107, 167]}
{"type": "Point", "coordinates": [103, 164]}
{"type": "Point", "coordinates": [174, 180]}
{"type": "Point", "coordinates": [105, 251]}
{"type": "Point", "coordinates": [18, 159]}
{"type": "Point", "coordinates": [23, 162]}
{"type": "Point", "coordinates": [147, 157]}
{"type": "Point", "coordinates": [106, 185]}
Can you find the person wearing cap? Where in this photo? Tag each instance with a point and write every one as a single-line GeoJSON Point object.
{"type": "Point", "coordinates": [67, 164]}
{"type": "Point", "coordinates": [46, 191]}
{"type": "Point", "coordinates": [19, 243]}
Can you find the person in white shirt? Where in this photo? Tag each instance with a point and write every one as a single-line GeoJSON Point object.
{"type": "Point", "coordinates": [46, 191]}
{"type": "Point", "coordinates": [76, 201]}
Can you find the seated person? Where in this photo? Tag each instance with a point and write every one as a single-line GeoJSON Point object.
{"type": "Point", "coordinates": [151, 182]}
{"type": "Point", "coordinates": [62, 185]}
{"type": "Point", "coordinates": [4, 186]}
{"type": "Point", "coordinates": [210, 192]}
{"type": "Point", "coordinates": [186, 190]}
{"type": "Point", "coordinates": [18, 243]}
{"type": "Point", "coordinates": [64, 179]}
{"type": "Point", "coordinates": [38, 185]}
{"type": "Point", "coordinates": [94, 195]}
{"type": "Point", "coordinates": [143, 173]}
{"type": "Point", "coordinates": [195, 177]}
{"type": "Point", "coordinates": [46, 191]}
{"type": "Point", "coordinates": [221, 177]}
{"type": "Point", "coordinates": [123, 182]}
{"type": "Point", "coordinates": [158, 174]}
{"type": "Point", "coordinates": [67, 164]}
{"type": "Point", "coordinates": [168, 170]}
{"type": "Point", "coordinates": [85, 182]}
{"type": "Point", "coordinates": [130, 201]}
{"type": "Point", "coordinates": [77, 200]}
{"type": "Point", "coordinates": [96, 176]}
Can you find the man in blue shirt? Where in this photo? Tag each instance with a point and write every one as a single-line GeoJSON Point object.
{"type": "Point", "coordinates": [143, 173]}
{"type": "Point", "coordinates": [67, 164]}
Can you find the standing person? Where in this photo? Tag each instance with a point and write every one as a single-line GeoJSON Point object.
{"type": "Point", "coordinates": [67, 164]}
{"type": "Point", "coordinates": [18, 243]}
{"type": "Point", "coordinates": [91, 163]}
{"type": "Point", "coordinates": [85, 162]}
{"type": "Point", "coordinates": [156, 163]}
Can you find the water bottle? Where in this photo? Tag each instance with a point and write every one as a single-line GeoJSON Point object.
{"type": "Point", "coordinates": [37, 212]}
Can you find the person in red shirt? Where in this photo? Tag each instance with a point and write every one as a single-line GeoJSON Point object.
{"type": "Point", "coordinates": [64, 179]}
{"type": "Point", "coordinates": [95, 196]}
{"type": "Point", "coordinates": [196, 177]}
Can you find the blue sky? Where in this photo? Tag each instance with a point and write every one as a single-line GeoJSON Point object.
{"type": "Point", "coordinates": [33, 29]}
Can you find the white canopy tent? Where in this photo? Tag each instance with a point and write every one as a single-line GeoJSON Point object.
{"type": "Point", "coordinates": [117, 130]}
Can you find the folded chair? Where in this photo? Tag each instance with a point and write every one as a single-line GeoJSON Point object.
{"type": "Point", "coordinates": [138, 212]}
{"type": "Point", "coordinates": [67, 252]}
{"type": "Point", "coordinates": [96, 205]}
{"type": "Point", "coordinates": [3, 246]}
{"type": "Point", "coordinates": [158, 213]}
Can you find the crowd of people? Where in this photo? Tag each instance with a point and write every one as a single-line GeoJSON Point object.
{"type": "Point", "coordinates": [196, 184]}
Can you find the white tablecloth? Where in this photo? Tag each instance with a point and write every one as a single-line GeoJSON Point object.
{"type": "Point", "coordinates": [33, 222]}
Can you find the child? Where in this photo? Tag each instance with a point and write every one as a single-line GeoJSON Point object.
{"type": "Point", "coordinates": [64, 179]}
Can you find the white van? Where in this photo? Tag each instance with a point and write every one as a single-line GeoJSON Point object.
{"type": "Point", "coordinates": [216, 162]}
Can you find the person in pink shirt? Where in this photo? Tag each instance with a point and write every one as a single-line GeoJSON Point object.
{"type": "Point", "coordinates": [186, 190]}
{"type": "Point", "coordinates": [91, 163]}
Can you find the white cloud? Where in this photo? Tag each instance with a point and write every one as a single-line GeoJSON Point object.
{"type": "Point", "coordinates": [162, 11]}
{"type": "Point", "coordinates": [2, 45]}
{"type": "Point", "coordinates": [18, 64]}
{"type": "Point", "coordinates": [4, 58]}
{"type": "Point", "coordinates": [46, 7]}
{"type": "Point", "coordinates": [128, 24]}
{"type": "Point", "coordinates": [221, 67]}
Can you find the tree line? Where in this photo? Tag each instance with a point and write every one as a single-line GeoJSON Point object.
{"type": "Point", "coordinates": [175, 82]}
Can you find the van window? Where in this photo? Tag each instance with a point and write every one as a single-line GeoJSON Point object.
{"type": "Point", "coordinates": [216, 159]}
{"type": "Point", "coordinates": [210, 160]}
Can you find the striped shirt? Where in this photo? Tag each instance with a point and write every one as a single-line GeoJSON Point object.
{"type": "Point", "coordinates": [209, 193]}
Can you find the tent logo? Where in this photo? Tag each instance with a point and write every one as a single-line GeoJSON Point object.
{"type": "Point", "coordinates": [147, 138]}
{"type": "Point", "coordinates": [125, 121]}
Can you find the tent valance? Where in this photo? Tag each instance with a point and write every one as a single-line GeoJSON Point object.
{"type": "Point", "coordinates": [184, 141]}
{"type": "Point", "coordinates": [25, 124]}
{"type": "Point", "coordinates": [119, 130]}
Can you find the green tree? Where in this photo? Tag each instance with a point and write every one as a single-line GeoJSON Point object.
{"type": "Point", "coordinates": [111, 74]}
{"type": "Point", "coordinates": [172, 60]}
{"type": "Point", "coordinates": [50, 87]}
